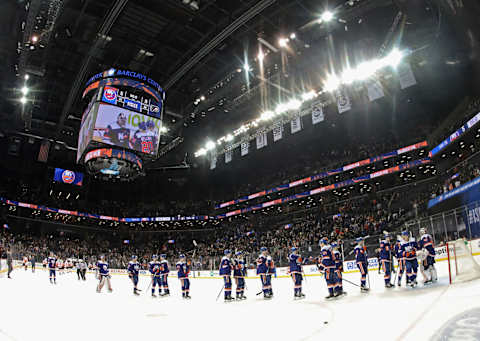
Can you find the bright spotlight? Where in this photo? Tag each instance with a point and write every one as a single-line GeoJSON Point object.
{"type": "Point", "coordinates": [246, 67]}
{"type": "Point", "coordinates": [23, 100]}
{"type": "Point", "coordinates": [202, 98]}
{"type": "Point", "coordinates": [201, 152]}
{"type": "Point", "coordinates": [210, 145]}
{"type": "Point", "coordinates": [282, 42]}
{"type": "Point", "coordinates": [24, 90]}
{"type": "Point", "coordinates": [366, 70]}
{"type": "Point", "coordinates": [293, 36]}
{"type": "Point", "coordinates": [348, 76]}
{"type": "Point", "coordinates": [332, 83]}
{"type": "Point", "coordinates": [294, 104]}
{"type": "Point", "coordinates": [327, 16]}
{"type": "Point", "coordinates": [260, 56]}
{"type": "Point", "coordinates": [309, 95]}
{"type": "Point", "coordinates": [163, 129]}
{"type": "Point", "coordinates": [27, 77]}
{"type": "Point", "coordinates": [229, 138]}
{"type": "Point", "coordinates": [281, 108]}
{"type": "Point", "coordinates": [34, 39]}
{"type": "Point", "coordinates": [267, 115]}
{"type": "Point", "coordinates": [394, 58]}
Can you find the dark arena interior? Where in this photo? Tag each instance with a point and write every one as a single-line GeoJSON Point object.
{"type": "Point", "coordinates": [207, 169]}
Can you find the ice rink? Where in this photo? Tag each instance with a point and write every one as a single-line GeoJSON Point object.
{"type": "Point", "coordinates": [34, 309]}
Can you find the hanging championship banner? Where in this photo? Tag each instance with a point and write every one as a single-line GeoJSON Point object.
{"type": "Point", "coordinates": [278, 132]}
{"type": "Point", "coordinates": [317, 113]}
{"type": "Point", "coordinates": [261, 140]}
{"type": "Point", "coordinates": [406, 76]}
{"type": "Point", "coordinates": [343, 101]}
{"type": "Point", "coordinates": [244, 148]}
{"type": "Point", "coordinates": [213, 162]}
{"type": "Point", "coordinates": [228, 156]}
{"type": "Point", "coordinates": [296, 124]}
{"type": "Point", "coordinates": [374, 90]}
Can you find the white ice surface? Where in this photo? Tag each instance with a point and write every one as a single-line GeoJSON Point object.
{"type": "Point", "coordinates": [33, 309]}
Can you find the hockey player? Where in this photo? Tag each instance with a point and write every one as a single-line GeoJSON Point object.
{"type": "Point", "coordinates": [409, 253]}
{"type": "Point", "coordinates": [83, 269]}
{"type": "Point", "coordinates": [426, 243]}
{"type": "Point", "coordinates": [361, 259]}
{"type": "Point", "coordinates": [400, 260]}
{"type": "Point", "coordinates": [183, 269]}
{"type": "Point", "coordinates": [117, 133]}
{"type": "Point", "coordinates": [103, 274]}
{"type": "Point", "coordinates": [338, 270]}
{"type": "Point", "coordinates": [239, 273]}
{"type": "Point", "coordinates": [44, 263]}
{"type": "Point", "coordinates": [32, 262]}
{"type": "Point", "coordinates": [52, 267]}
{"type": "Point", "coordinates": [164, 270]}
{"type": "Point", "coordinates": [262, 271]}
{"type": "Point", "coordinates": [271, 270]}
{"type": "Point", "coordinates": [384, 259]}
{"type": "Point", "coordinates": [25, 262]}
{"type": "Point", "coordinates": [226, 272]}
{"type": "Point", "coordinates": [154, 268]}
{"type": "Point", "coordinates": [133, 269]}
{"type": "Point", "coordinates": [60, 266]}
{"type": "Point", "coordinates": [327, 266]}
{"type": "Point", "coordinates": [295, 270]}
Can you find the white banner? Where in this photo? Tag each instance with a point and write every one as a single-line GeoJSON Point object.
{"type": "Point", "coordinates": [278, 132]}
{"type": "Point", "coordinates": [296, 124]}
{"type": "Point", "coordinates": [375, 90]}
{"type": "Point", "coordinates": [213, 162]}
{"type": "Point", "coordinates": [244, 148]}
{"type": "Point", "coordinates": [406, 76]}
{"type": "Point", "coordinates": [261, 140]}
{"type": "Point", "coordinates": [228, 156]}
{"type": "Point", "coordinates": [317, 113]}
{"type": "Point", "coordinates": [343, 101]}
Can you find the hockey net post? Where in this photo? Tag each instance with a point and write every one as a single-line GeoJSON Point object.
{"type": "Point", "coordinates": [462, 267]}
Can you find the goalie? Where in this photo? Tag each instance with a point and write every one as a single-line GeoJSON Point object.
{"type": "Point", "coordinates": [426, 243]}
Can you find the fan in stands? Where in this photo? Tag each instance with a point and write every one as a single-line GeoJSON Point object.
{"type": "Point", "coordinates": [462, 267]}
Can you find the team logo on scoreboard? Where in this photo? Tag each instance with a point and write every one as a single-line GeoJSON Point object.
{"type": "Point", "coordinates": [110, 95]}
{"type": "Point", "coordinates": [68, 176]}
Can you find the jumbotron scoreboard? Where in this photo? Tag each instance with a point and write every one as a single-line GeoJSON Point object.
{"type": "Point", "coordinates": [121, 125]}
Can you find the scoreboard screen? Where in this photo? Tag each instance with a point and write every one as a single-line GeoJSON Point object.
{"type": "Point", "coordinates": [126, 129]}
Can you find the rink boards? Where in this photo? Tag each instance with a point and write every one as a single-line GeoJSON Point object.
{"type": "Point", "coordinates": [282, 272]}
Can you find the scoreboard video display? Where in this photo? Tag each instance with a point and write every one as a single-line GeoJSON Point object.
{"type": "Point", "coordinates": [126, 129]}
{"type": "Point", "coordinates": [68, 177]}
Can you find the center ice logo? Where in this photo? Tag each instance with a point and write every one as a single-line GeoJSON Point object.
{"type": "Point", "coordinates": [68, 176]}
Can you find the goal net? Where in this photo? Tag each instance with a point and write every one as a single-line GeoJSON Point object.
{"type": "Point", "coordinates": [462, 266]}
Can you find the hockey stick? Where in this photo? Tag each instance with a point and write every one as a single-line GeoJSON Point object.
{"type": "Point", "coordinates": [149, 285]}
{"type": "Point", "coordinates": [346, 280]}
{"type": "Point", "coordinates": [221, 289]}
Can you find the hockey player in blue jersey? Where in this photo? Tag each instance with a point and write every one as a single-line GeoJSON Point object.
{"type": "Point", "coordinates": [154, 269]}
{"type": "Point", "coordinates": [271, 271]}
{"type": "Point", "coordinates": [361, 258]}
{"type": "Point", "coordinates": [400, 260]}
{"type": "Point", "coordinates": [409, 253]}
{"type": "Point", "coordinates": [262, 272]}
{"type": "Point", "coordinates": [103, 274]}
{"type": "Point", "coordinates": [338, 269]}
{"type": "Point", "coordinates": [326, 264]}
{"type": "Point", "coordinates": [239, 273]}
{"type": "Point", "coordinates": [384, 259]}
{"type": "Point", "coordinates": [226, 272]}
{"type": "Point", "coordinates": [426, 243]}
{"type": "Point", "coordinates": [133, 270]}
{"type": "Point", "coordinates": [295, 269]}
{"type": "Point", "coordinates": [183, 269]}
{"type": "Point", "coordinates": [164, 271]}
{"type": "Point", "coordinates": [52, 267]}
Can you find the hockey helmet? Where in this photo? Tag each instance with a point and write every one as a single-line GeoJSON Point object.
{"type": "Point", "coordinates": [227, 252]}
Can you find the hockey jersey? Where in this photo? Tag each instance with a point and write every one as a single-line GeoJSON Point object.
{"type": "Point", "coordinates": [103, 269]}
{"type": "Point", "coordinates": [398, 250]}
{"type": "Point", "coordinates": [239, 269]}
{"type": "Point", "coordinates": [295, 263]}
{"type": "Point", "coordinates": [360, 254]}
{"type": "Point", "coordinates": [154, 267]}
{"type": "Point", "coordinates": [385, 250]}
{"type": "Point", "coordinates": [225, 266]}
{"type": "Point", "coordinates": [183, 270]}
{"type": "Point", "coordinates": [52, 263]}
{"type": "Point", "coordinates": [426, 242]}
{"type": "Point", "coordinates": [338, 260]}
{"type": "Point", "coordinates": [118, 135]}
{"type": "Point", "coordinates": [327, 261]}
{"type": "Point", "coordinates": [133, 268]}
{"type": "Point", "coordinates": [261, 264]}
{"type": "Point", "coordinates": [270, 266]}
{"type": "Point", "coordinates": [409, 249]}
{"type": "Point", "coordinates": [164, 267]}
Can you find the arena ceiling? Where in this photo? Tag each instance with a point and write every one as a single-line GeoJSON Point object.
{"type": "Point", "coordinates": [194, 48]}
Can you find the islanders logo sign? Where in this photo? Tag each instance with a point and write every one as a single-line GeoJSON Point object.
{"type": "Point", "coordinates": [68, 176]}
